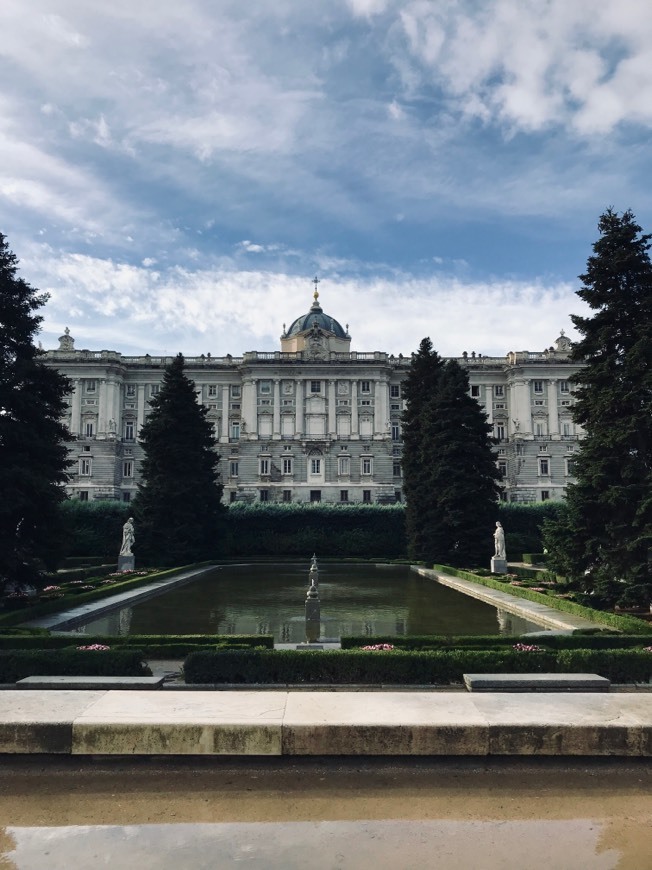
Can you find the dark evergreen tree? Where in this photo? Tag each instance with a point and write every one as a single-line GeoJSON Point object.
{"type": "Point", "coordinates": [178, 506]}
{"type": "Point", "coordinates": [449, 467]}
{"type": "Point", "coordinates": [605, 536]}
{"type": "Point", "coordinates": [33, 452]}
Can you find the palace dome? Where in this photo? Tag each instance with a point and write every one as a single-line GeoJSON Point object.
{"type": "Point", "coordinates": [317, 316]}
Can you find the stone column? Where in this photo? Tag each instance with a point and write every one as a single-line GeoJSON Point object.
{"type": "Point", "coordinates": [381, 417]}
{"type": "Point", "coordinates": [522, 410]}
{"type": "Point", "coordinates": [222, 401]}
{"type": "Point", "coordinates": [489, 403]}
{"type": "Point", "coordinates": [276, 427]}
{"type": "Point", "coordinates": [355, 425]}
{"type": "Point", "coordinates": [102, 409]}
{"type": "Point", "coordinates": [75, 409]}
{"type": "Point", "coordinates": [299, 409]}
{"type": "Point", "coordinates": [140, 409]}
{"type": "Point", "coordinates": [553, 411]}
{"type": "Point", "coordinates": [332, 417]}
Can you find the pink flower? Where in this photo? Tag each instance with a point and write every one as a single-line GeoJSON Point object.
{"type": "Point", "coordinates": [527, 647]}
{"type": "Point", "coordinates": [52, 588]}
{"type": "Point", "coordinates": [378, 646]}
{"type": "Point", "coordinates": [95, 647]}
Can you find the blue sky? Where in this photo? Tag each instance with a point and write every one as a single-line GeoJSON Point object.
{"type": "Point", "coordinates": [175, 173]}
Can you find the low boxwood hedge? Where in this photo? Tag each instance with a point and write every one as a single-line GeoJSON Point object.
{"type": "Point", "coordinates": [628, 624]}
{"type": "Point", "coordinates": [600, 640]}
{"type": "Point", "coordinates": [19, 663]}
{"type": "Point", "coordinates": [152, 645]}
{"type": "Point", "coordinates": [401, 667]}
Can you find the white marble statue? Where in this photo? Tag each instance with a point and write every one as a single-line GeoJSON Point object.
{"type": "Point", "coordinates": [499, 540]}
{"type": "Point", "coordinates": [128, 537]}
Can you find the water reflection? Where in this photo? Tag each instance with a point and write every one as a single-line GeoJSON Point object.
{"type": "Point", "coordinates": [269, 599]}
{"type": "Point", "coordinates": [359, 845]}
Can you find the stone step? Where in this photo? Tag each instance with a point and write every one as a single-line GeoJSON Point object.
{"type": "Point", "coordinates": [536, 683]}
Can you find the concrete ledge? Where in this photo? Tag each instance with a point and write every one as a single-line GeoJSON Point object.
{"type": "Point", "coordinates": [314, 723]}
{"type": "Point", "coordinates": [536, 683]}
{"type": "Point", "coordinates": [80, 682]}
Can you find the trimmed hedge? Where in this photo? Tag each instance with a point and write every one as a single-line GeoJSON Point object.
{"type": "Point", "coordinates": [628, 624]}
{"type": "Point", "coordinates": [19, 663]}
{"type": "Point", "coordinates": [152, 645]}
{"type": "Point", "coordinates": [400, 667]}
{"type": "Point", "coordinates": [600, 641]}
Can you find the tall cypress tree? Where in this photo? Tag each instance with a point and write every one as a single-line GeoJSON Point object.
{"type": "Point", "coordinates": [449, 467]}
{"type": "Point", "coordinates": [33, 452]}
{"type": "Point", "coordinates": [607, 529]}
{"type": "Point", "coordinates": [178, 505]}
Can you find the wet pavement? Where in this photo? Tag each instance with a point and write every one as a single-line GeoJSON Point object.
{"type": "Point", "coordinates": [326, 814]}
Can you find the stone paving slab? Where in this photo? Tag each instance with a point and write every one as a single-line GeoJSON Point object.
{"type": "Point", "coordinates": [80, 682]}
{"type": "Point", "coordinates": [536, 683]}
{"type": "Point", "coordinates": [201, 723]}
{"type": "Point", "coordinates": [325, 723]}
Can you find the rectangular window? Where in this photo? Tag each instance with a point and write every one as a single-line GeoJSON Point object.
{"type": "Point", "coordinates": [564, 387]}
{"type": "Point", "coordinates": [366, 496]}
{"type": "Point", "coordinates": [500, 433]}
{"type": "Point", "coordinates": [570, 468]}
{"type": "Point", "coordinates": [397, 496]}
{"type": "Point", "coordinates": [566, 429]}
{"type": "Point", "coordinates": [126, 496]}
{"type": "Point", "coordinates": [264, 494]}
{"type": "Point", "coordinates": [475, 391]}
{"type": "Point", "coordinates": [502, 467]}
{"type": "Point", "coordinates": [539, 403]}
{"type": "Point", "coordinates": [287, 495]}
{"type": "Point", "coordinates": [130, 390]}
{"type": "Point", "coordinates": [83, 495]}
{"type": "Point", "coordinates": [234, 468]}
{"type": "Point", "coordinates": [315, 466]}
{"type": "Point", "coordinates": [365, 386]}
{"type": "Point", "coordinates": [537, 386]}
{"type": "Point", "coordinates": [315, 495]}
{"type": "Point", "coordinates": [235, 392]}
{"type": "Point", "coordinates": [315, 386]}
{"type": "Point", "coordinates": [264, 466]}
{"type": "Point", "coordinates": [366, 465]}
{"type": "Point", "coordinates": [90, 386]}
{"type": "Point", "coordinates": [344, 495]}
{"type": "Point", "coordinates": [287, 465]}
{"type": "Point", "coordinates": [365, 402]}
{"type": "Point", "coordinates": [128, 468]}
{"type": "Point", "coordinates": [265, 387]}
{"type": "Point", "coordinates": [212, 390]}
{"type": "Point", "coordinates": [85, 466]}
{"type": "Point", "coordinates": [129, 430]}
{"type": "Point", "coordinates": [233, 496]}
{"type": "Point", "coordinates": [544, 467]}
{"type": "Point", "coordinates": [89, 428]}
{"type": "Point", "coordinates": [499, 406]}
{"type": "Point", "coordinates": [287, 403]}
{"type": "Point", "coordinates": [565, 403]}
{"type": "Point", "coordinates": [539, 429]}
{"type": "Point", "coordinates": [394, 391]}
{"type": "Point", "coordinates": [545, 494]}
{"type": "Point", "coordinates": [345, 465]}
{"type": "Point", "coordinates": [154, 389]}
{"type": "Point", "coordinates": [499, 390]}
{"type": "Point", "coordinates": [235, 430]}
{"type": "Point", "coordinates": [396, 469]}
{"type": "Point", "coordinates": [342, 403]}
{"type": "Point", "coordinates": [395, 407]}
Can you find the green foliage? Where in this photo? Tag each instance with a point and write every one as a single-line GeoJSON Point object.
{"type": "Point", "coordinates": [449, 471]}
{"type": "Point", "coordinates": [151, 645]}
{"type": "Point", "coordinates": [603, 640]}
{"type": "Point", "coordinates": [17, 664]}
{"type": "Point", "coordinates": [622, 623]}
{"type": "Point", "coordinates": [94, 528]}
{"type": "Point", "coordinates": [605, 535]}
{"type": "Point", "coordinates": [523, 526]}
{"type": "Point", "coordinates": [33, 453]}
{"type": "Point", "coordinates": [178, 507]}
{"type": "Point", "coordinates": [365, 531]}
{"type": "Point", "coordinates": [401, 667]}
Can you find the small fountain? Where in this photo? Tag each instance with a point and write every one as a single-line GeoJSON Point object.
{"type": "Point", "coordinates": [313, 605]}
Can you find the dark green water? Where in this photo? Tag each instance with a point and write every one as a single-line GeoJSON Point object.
{"type": "Point", "coordinates": [269, 599]}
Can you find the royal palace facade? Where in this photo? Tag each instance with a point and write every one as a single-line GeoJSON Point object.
{"type": "Point", "coordinates": [314, 421]}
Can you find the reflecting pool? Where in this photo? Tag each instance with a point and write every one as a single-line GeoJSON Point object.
{"type": "Point", "coordinates": [356, 599]}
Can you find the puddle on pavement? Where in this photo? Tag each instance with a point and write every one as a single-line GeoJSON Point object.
{"type": "Point", "coordinates": [326, 815]}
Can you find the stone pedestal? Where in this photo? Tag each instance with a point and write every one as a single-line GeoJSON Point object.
{"type": "Point", "coordinates": [498, 565]}
{"type": "Point", "coordinates": [313, 615]}
{"type": "Point", "coordinates": [126, 563]}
